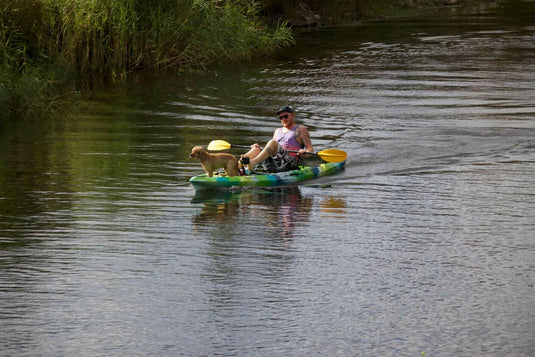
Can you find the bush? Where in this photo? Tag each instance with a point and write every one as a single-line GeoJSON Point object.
{"type": "Point", "coordinates": [117, 36]}
{"type": "Point", "coordinates": [43, 42]}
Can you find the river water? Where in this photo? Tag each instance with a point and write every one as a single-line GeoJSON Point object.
{"type": "Point", "coordinates": [425, 243]}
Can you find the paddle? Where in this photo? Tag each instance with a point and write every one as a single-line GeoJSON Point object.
{"type": "Point", "coordinates": [329, 155]}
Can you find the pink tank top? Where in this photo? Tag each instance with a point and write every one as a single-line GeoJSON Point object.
{"type": "Point", "coordinates": [287, 140]}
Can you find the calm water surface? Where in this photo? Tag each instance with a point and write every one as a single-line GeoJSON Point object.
{"type": "Point", "coordinates": [425, 243]}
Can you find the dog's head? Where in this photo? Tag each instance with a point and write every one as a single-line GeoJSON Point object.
{"type": "Point", "coordinates": [196, 152]}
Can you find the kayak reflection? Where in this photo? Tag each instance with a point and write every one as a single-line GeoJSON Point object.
{"type": "Point", "coordinates": [275, 211]}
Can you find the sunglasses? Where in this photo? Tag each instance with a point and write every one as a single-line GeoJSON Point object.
{"type": "Point", "coordinates": [285, 116]}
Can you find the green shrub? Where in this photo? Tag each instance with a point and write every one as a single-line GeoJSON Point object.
{"type": "Point", "coordinates": [43, 42]}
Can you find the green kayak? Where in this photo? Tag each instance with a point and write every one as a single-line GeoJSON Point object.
{"type": "Point", "coordinates": [203, 182]}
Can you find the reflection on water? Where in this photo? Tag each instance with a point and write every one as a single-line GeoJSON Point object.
{"type": "Point", "coordinates": [280, 210]}
{"type": "Point", "coordinates": [424, 243]}
{"type": "Point", "coordinates": [334, 206]}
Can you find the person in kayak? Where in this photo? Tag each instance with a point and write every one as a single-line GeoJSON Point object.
{"type": "Point", "coordinates": [278, 154]}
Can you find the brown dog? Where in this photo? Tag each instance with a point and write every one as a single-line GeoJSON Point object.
{"type": "Point", "coordinates": [212, 162]}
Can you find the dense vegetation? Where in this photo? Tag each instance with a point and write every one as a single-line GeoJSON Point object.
{"type": "Point", "coordinates": [46, 44]}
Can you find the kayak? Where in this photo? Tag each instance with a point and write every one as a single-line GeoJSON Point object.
{"type": "Point", "coordinates": [219, 181]}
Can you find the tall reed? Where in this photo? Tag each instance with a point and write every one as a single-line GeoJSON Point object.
{"type": "Point", "coordinates": [124, 35]}
{"type": "Point", "coordinates": [31, 84]}
{"type": "Point", "coordinates": [114, 37]}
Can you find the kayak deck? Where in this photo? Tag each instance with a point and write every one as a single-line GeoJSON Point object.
{"type": "Point", "coordinates": [201, 182]}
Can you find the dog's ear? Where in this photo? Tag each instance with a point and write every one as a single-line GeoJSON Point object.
{"type": "Point", "coordinates": [195, 151]}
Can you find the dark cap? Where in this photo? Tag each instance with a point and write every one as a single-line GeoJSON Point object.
{"type": "Point", "coordinates": [286, 109]}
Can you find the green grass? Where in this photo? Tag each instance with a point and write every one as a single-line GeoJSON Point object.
{"type": "Point", "coordinates": [44, 44]}
{"type": "Point", "coordinates": [117, 36]}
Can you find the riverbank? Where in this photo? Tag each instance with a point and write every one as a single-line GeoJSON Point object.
{"type": "Point", "coordinates": [53, 45]}
{"type": "Point", "coordinates": [49, 44]}
{"type": "Point", "coordinates": [310, 14]}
